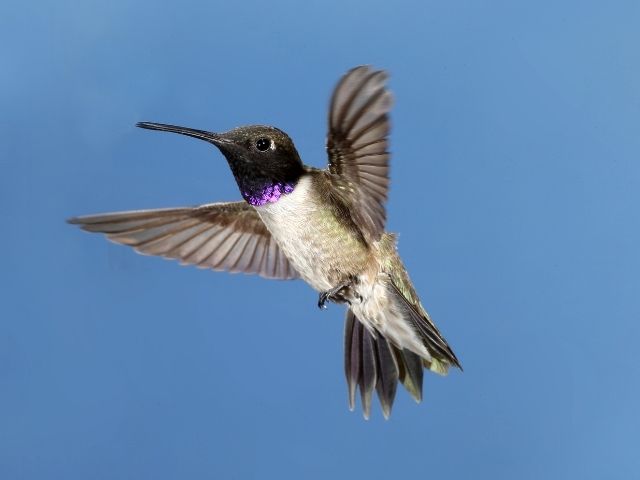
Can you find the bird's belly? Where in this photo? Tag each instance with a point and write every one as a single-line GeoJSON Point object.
{"type": "Point", "coordinates": [322, 250]}
{"type": "Point", "coordinates": [322, 261]}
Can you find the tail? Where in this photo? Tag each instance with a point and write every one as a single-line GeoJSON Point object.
{"type": "Point", "coordinates": [372, 361]}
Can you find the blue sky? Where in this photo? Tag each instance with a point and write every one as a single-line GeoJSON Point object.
{"type": "Point", "coordinates": [515, 190]}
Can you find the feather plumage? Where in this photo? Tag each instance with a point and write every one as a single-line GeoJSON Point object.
{"type": "Point", "coordinates": [220, 236]}
{"type": "Point", "coordinates": [357, 145]}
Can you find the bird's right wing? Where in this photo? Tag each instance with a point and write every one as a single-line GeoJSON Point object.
{"type": "Point", "coordinates": [222, 236]}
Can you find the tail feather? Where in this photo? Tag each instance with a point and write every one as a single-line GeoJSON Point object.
{"type": "Point", "coordinates": [369, 377]}
{"type": "Point", "coordinates": [352, 355]}
{"type": "Point", "coordinates": [410, 372]}
{"type": "Point", "coordinates": [371, 362]}
{"type": "Point", "coordinates": [387, 374]}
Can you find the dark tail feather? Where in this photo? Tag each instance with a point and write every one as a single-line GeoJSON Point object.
{"type": "Point", "coordinates": [411, 372]}
{"type": "Point", "coordinates": [387, 374]}
{"type": "Point", "coordinates": [352, 349]}
{"type": "Point", "coordinates": [369, 375]}
{"type": "Point", "coordinates": [371, 362]}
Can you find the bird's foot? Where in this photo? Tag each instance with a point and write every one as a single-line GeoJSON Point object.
{"type": "Point", "coordinates": [331, 295]}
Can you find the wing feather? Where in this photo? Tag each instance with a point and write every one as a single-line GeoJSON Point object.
{"type": "Point", "coordinates": [357, 146]}
{"type": "Point", "coordinates": [222, 236]}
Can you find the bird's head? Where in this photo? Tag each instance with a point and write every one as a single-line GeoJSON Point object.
{"type": "Point", "coordinates": [263, 159]}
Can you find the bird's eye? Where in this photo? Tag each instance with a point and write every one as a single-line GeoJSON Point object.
{"type": "Point", "coordinates": [263, 144]}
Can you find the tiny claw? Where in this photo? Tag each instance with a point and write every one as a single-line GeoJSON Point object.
{"type": "Point", "coordinates": [332, 295]}
{"type": "Point", "coordinates": [322, 300]}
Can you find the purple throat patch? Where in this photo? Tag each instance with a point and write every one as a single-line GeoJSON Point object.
{"type": "Point", "coordinates": [267, 194]}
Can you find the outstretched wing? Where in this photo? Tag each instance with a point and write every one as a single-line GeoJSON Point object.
{"type": "Point", "coordinates": [222, 236]}
{"type": "Point", "coordinates": [357, 145]}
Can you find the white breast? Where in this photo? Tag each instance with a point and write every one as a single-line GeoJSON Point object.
{"type": "Point", "coordinates": [308, 234]}
{"type": "Point", "coordinates": [290, 221]}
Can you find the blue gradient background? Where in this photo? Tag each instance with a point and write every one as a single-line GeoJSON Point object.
{"type": "Point", "coordinates": [515, 189]}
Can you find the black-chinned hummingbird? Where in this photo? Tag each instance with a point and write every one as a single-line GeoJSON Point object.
{"type": "Point", "coordinates": [325, 226]}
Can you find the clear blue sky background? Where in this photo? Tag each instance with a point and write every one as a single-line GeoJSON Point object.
{"type": "Point", "coordinates": [515, 189]}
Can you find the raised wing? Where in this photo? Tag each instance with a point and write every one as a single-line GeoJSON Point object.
{"type": "Point", "coordinates": [221, 236]}
{"type": "Point", "coordinates": [357, 145]}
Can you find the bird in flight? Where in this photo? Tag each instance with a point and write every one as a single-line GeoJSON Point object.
{"type": "Point", "coordinates": [325, 226]}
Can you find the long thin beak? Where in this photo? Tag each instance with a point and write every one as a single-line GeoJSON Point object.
{"type": "Point", "coordinates": [211, 137]}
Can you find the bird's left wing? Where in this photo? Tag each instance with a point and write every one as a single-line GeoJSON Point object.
{"type": "Point", "coordinates": [222, 236]}
{"type": "Point", "coordinates": [357, 146]}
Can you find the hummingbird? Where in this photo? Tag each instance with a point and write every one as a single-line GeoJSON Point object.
{"type": "Point", "coordinates": [324, 226]}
